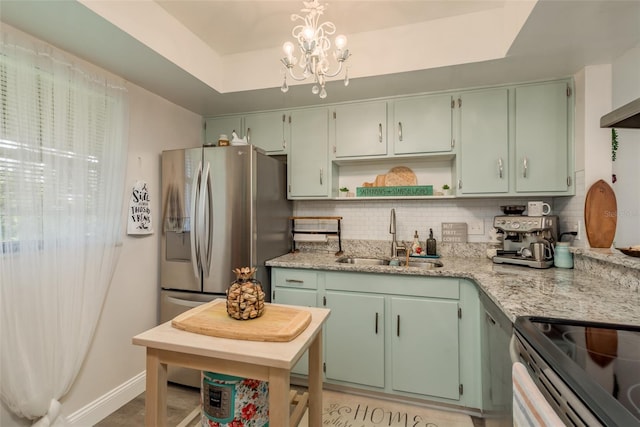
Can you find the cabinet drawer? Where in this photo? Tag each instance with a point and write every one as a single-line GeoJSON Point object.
{"type": "Point", "coordinates": [292, 278]}
{"type": "Point", "coordinates": [393, 284]}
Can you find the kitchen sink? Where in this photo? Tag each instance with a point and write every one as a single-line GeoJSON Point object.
{"type": "Point", "coordinates": [418, 263]}
{"type": "Point", "coordinates": [426, 264]}
{"type": "Point", "coordinates": [363, 261]}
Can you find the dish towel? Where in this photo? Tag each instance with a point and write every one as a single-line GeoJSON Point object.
{"type": "Point", "coordinates": [530, 408]}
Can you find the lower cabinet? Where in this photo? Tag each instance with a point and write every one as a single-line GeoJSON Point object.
{"type": "Point", "coordinates": [355, 338]}
{"type": "Point", "coordinates": [425, 351]}
{"type": "Point", "coordinates": [295, 287]}
{"type": "Point", "coordinates": [403, 335]}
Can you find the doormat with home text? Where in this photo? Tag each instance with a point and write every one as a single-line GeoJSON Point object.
{"type": "Point", "coordinates": [348, 410]}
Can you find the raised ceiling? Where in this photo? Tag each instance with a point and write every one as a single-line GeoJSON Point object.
{"type": "Point", "coordinates": [216, 57]}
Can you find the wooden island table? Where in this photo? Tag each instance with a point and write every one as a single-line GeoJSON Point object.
{"type": "Point", "coordinates": [266, 361]}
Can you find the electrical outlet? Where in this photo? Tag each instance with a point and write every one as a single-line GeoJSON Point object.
{"type": "Point", "coordinates": [475, 227]}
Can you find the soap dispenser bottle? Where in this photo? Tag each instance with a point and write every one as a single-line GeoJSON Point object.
{"type": "Point", "coordinates": [416, 249]}
{"type": "Point", "coordinates": [431, 243]}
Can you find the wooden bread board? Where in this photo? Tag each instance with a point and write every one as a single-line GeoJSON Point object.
{"type": "Point", "coordinates": [400, 176]}
{"type": "Point", "coordinates": [600, 215]}
{"type": "Point", "coordinates": [277, 323]}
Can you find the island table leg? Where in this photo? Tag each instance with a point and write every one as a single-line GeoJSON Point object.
{"type": "Point", "coordinates": [156, 392]}
{"type": "Point", "coordinates": [315, 382]}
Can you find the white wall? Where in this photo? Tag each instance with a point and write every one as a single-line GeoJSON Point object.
{"type": "Point", "coordinates": [626, 87]}
{"type": "Point", "coordinates": [592, 145]}
{"type": "Point", "coordinates": [132, 300]}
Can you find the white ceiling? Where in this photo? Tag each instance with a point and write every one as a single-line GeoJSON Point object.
{"type": "Point", "coordinates": [189, 51]}
{"type": "Point", "coordinates": [241, 26]}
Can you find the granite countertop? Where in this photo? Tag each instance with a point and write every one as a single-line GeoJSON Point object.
{"type": "Point", "coordinates": [518, 291]}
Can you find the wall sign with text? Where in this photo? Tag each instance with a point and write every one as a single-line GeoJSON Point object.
{"type": "Point", "coordinates": [139, 213]}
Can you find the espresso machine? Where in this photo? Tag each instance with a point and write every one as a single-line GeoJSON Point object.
{"type": "Point", "coordinates": [526, 240]}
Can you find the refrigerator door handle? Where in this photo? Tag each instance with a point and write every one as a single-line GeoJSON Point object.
{"type": "Point", "coordinates": [206, 218]}
{"type": "Point", "coordinates": [184, 302]}
{"type": "Point", "coordinates": [195, 229]}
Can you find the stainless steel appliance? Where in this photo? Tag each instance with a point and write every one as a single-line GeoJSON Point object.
{"type": "Point", "coordinates": [588, 372]}
{"type": "Point", "coordinates": [223, 208]}
{"type": "Point", "coordinates": [519, 232]}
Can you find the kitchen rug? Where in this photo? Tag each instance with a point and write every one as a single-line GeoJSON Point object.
{"type": "Point", "coordinates": [349, 410]}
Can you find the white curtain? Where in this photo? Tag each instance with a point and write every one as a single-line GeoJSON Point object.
{"type": "Point", "coordinates": [63, 143]}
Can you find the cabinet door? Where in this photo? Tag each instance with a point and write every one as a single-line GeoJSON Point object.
{"type": "Point", "coordinates": [221, 125]}
{"type": "Point", "coordinates": [299, 297]}
{"type": "Point", "coordinates": [541, 137]}
{"type": "Point", "coordinates": [484, 142]}
{"type": "Point", "coordinates": [424, 347]}
{"type": "Point", "coordinates": [267, 131]}
{"type": "Point", "coordinates": [422, 125]}
{"type": "Point", "coordinates": [355, 338]}
{"type": "Point", "coordinates": [308, 163]}
{"type": "Point", "coordinates": [361, 130]}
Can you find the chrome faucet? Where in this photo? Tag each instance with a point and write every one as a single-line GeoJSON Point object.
{"type": "Point", "coordinates": [395, 247]}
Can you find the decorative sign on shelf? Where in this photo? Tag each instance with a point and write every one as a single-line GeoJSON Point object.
{"type": "Point", "coordinates": [395, 191]}
{"type": "Point", "coordinates": [139, 213]}
{"type": "Point", "coordinates": [454, 232]}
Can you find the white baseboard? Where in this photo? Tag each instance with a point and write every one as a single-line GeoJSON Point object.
{"type": "Point", "coordinates": [104, 406]}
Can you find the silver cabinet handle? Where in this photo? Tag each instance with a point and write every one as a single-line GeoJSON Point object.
{"type": "Point", "coordinates": [321, 175]}
{"type": "Point", "coordinates": [399, 131]}
{"type": "Point", "coordinates": [525, 163]}
{"type": "Point", "coordinates": [379, 132]}
{"type": "Point", "coordinates": [398, 326]}
{"type": "Point", "coordinates": [460, 184]}
{"type": "Point", "coordinates": [500, 166]}
{"type": "Point", "coordinates": [249, 135]}
{"type": "Point", "coordinates": [294, 281]}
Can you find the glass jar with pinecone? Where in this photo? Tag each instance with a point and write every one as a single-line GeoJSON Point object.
{"type": "Point", "coordinates": [245, 298]}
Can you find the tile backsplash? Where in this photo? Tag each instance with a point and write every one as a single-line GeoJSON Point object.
{"type": "Point", "coordinates": [369, 219]}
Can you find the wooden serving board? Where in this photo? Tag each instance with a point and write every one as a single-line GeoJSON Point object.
{"type": "Point", "coordinates": [400, 176]}
{"type": "Point", "coordinates": [277, 323]}
{"type": "Point", "coordinates": [600, 215]}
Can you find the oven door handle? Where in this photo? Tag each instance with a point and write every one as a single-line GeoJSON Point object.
{"type": "Point", "coordinates": [513, 350]}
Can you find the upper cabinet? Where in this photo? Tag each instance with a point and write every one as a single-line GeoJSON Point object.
{"type": "Point", "coordinates": [269, 131]}
{"type": "Point", "coordinates": [542, 138]}
{"type": "Point", "coordinates": [502, 141]}
{"type": "Point", "coordinates": [484, 142]}
{"type": "Point", "coordinates": [308, 164]}
{"type": "Point", "coordinates": [360, 130]}
{"type": "Point", "coordinates": [423, 125]}
{"type": "Point", "coordinates": [217, 126]}
{"type": "Point", "coordinates": [517, 141]}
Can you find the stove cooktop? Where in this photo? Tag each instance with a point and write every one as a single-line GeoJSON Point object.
{"type": "Point", "coordinates": [591, 356]}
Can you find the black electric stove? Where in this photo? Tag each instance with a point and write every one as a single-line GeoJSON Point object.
{"type": "Point", "coordinates": [598, 362]}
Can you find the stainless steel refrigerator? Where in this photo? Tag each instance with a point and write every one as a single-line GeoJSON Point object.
{"type": "Point", "coordinates": [223, 208]}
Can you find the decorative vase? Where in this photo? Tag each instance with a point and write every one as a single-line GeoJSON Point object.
{"type": "Point", "coordinates": [245, 298]}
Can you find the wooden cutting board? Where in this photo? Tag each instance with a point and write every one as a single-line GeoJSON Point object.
{"type": "Point", "coordinates": [600, 215]}
{"type": "Point", "coordinates": [277, 323]}
{"type": "Point", "coordinates": [400, 176]}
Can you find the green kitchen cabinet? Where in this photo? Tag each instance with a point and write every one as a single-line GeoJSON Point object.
{"type": "Point", "coordinates": [360, 129]}
{"type": "Point", "coordinates": [214, 127]}
{"type": "Point", "coordinates": [355, 338]}
{"type": "Point", "coordinates": [295, 287]}
{"type": "Point", "coordinates": [424, 346]}
{"type": "Point", "coordinates": [484, 142]}
{"type": "Point", "coordinates": [422, 125]}
{"type": "Point", "coordinates": [269, 131]}
{"type": "Point", "coordinates": [542, 138]}
{"type": "Point", "coordinates": [309, 169]}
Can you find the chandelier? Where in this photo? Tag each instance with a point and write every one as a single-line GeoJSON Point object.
{"type": "Point", "coordinates": [312, 38]}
